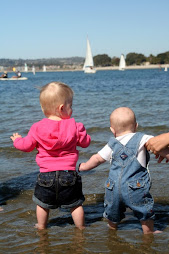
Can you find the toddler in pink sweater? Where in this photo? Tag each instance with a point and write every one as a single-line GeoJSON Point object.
{"type": "Point", "coordinates": [56, 138]}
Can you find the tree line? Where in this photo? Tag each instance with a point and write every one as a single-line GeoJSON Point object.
{"type": "Point", "coordinates": [99, 60]}
{"type": "Point", "coordinates": [131, 59]}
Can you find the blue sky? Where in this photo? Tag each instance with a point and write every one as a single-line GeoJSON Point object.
{"type": "Point", "coordinates": [51, 28]}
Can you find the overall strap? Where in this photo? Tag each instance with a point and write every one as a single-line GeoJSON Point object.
{"type": "Point", "coordinates": [115, 145]}
{"type": "Point", "coordinates": [121, 155]}
{"type": "Point", "coordinates": [134, 142]}
{"type": "Point", "coordinates": [131, 147]}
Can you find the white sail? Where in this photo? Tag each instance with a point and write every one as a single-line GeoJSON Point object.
{"type": "Point", "coordinates": [165, 69]}
{"type": "Point", "coordinates": [44, 68]}
{"type": "Point", "coordinates": [122, 64]}
{"type": "Point", "coordinates": [26, 68]}
{"type": "Point", "coordinates": [33, 69]}
{"type": "Point", "coordinates": [89, 65]}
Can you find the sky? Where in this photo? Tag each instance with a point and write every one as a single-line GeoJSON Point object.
{"type": "Point", "coordinates": [34, 29]}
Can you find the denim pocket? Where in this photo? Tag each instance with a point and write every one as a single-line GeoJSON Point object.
{"type": "Point", "coordinates": [139, 192]}
{"type": "Point", "coordinates": [46, 179]}
{"type": "Point", "coordinates": [109, 185]}
{"type": "Point", "coordinates": [67, 178]}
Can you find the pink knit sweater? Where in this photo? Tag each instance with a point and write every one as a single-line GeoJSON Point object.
{"type": "Point", "coordinates": [56, 142]}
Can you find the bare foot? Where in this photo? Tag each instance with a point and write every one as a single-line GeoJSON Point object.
{"type": "Point", "coordinates": [157, 232]}
{"type": "Point", "coordinates": [112, 225]}
{"type": "Point", "coordinates": [39, 228]}
{"type": "Point", "coordinates": [36, 225]}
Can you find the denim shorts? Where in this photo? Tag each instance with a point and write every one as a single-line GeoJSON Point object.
{"type": "Point", "coordinates": [58, 189]}
{"type": "Point", "coordinates": [133, 194]}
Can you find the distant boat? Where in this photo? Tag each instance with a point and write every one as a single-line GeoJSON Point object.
{"type": "Point", "coordinates": [22, 78]}
{"type": "Point", "coordinates": [44, 68]}
{"type": "Point", "coordinates": [122, 64]}
{"type": "Point", "coordinates": [165, 69]}
{"type": "Point", "coordinates": [89, 65]}
{"type": "Point", "coordinates": [26, 68]}
{"type": "Point", "coordinates": [33, 69]}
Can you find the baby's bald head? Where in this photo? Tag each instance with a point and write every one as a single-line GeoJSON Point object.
{"type": "Point", "coordinates": [123, 120]}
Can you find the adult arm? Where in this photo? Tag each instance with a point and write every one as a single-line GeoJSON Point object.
{"type": "Point", "coordinates": [158, 143]}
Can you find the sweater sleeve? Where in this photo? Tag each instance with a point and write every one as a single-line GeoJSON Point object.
{"type": "Point", "coordinates": [26, 144]}
{"type": "Point", "coordinates": [83, 138]}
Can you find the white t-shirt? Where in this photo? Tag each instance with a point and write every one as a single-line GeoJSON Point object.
{"type": "Point", "coordinates": [106, 151]}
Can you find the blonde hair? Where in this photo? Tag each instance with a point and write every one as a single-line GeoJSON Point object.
{"type": "Point", "coordinates": [54, 94]}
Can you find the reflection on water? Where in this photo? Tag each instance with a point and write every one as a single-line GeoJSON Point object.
{"type": "Point", "coordinates": [17, 234]}
{"type": "Point", "coordinates": [95, 97]}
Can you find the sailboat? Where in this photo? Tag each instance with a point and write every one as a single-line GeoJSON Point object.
{"type": "Point", "coordinates": [33, 69]}
{"type": "Point", "coordinates": [122, 64]}
{"type": "Point", "coordinates": [44, 68]}
{"type": "Point", "coordinates": [165, 68]}
{"type": "Point", "coordinates": [89, 65]}
{"type": "Point", "coordinates": [26, 68]}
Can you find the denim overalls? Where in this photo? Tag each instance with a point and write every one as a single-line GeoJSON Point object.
{"type": "Point", "coordinates": [128, 183]}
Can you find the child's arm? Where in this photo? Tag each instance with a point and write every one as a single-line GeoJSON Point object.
{"type": "Point", "coordinates": [93, 162]}
{"type": "Point", "coordinates": [83, 138]}
{"type": "Point", "coordinates": [26, 144]}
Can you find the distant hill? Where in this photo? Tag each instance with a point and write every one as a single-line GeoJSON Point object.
{"type": "Point", "coordinates": [99, 60]}
{"type": "Point", "coordinates": [42, 61]}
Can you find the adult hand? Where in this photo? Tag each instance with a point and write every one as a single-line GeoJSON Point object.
{"type": "Point", "coordinates": [158, 143]}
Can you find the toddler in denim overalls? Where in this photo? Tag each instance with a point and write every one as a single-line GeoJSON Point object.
{"type": "Point", "coordinates": [128, 183]}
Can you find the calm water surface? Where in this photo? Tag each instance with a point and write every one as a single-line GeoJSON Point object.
{"type": "Point", "coordinates": [147, 93]}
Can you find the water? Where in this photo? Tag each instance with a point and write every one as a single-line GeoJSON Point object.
{"type": "Point", "coordinates": [147, 93]}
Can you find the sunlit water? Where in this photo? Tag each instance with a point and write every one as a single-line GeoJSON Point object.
{"type": "Point", "coordinates": [95, 96]}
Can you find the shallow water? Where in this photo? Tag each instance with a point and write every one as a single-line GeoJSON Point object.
{"type": "Point", "coordinates": [146, 92]}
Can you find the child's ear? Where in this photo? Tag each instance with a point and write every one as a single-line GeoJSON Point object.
{"type": "Point", "coordinates": [113, 130]}
{"type": "Point", "coordinates": [61, 107]}
{"type": "Point", "coordinates": [136, 126]}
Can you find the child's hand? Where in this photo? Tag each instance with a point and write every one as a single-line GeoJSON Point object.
{"type": "Point", "coordinates": [15, 135]}
{"type": "Point", "coordinates": [81, 166]}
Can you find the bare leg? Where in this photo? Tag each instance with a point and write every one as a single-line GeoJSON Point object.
{"type": "Point", "coordinates": [78, 217]}
{"type": "Point", "coordinates": [1, 209]}
{"type": "Point", "coordinates": [148, 227]}
{"type": "Point", "coordinates": [112, 225]}
{"type": "Point", "coordinates": [42, 217]}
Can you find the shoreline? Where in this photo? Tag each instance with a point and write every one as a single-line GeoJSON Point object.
{"type": "Point", "coordinates": [135, 67]}
{"type": "Point", "coordinates": [111, 68]}
{"type": "Point", "coordinates": [114, 68]}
